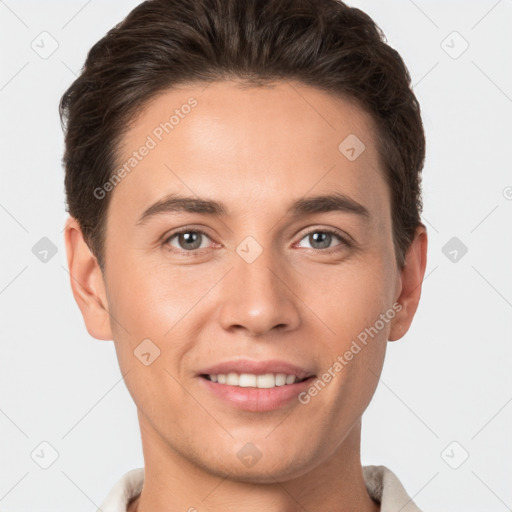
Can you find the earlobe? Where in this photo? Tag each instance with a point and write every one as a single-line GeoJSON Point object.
{"type": "Point", "coordinates": [411, 276]}
{"type": "Point", "coordinates": [87, 282]}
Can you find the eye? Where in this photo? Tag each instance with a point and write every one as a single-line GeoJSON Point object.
{"type": "Point", "coordinates": [188, 240]}
{"type": "Point", "coordinates": [321, 239]}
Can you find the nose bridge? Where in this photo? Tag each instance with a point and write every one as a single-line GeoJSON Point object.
{"type": "Point", "coordinates": [257, 295]}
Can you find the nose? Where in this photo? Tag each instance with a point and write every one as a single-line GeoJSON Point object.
{"type": "Point", "coordinates": [258, 297]}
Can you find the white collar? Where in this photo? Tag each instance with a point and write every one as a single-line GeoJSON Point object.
{"type": "Point", "coordinates": [382, 484]}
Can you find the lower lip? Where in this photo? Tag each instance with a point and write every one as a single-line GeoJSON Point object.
{"type": "Point", "coordinates": [257, 399]}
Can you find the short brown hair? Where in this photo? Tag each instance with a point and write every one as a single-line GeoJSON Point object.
{"type": "Point", "coordinates": [162, 43]}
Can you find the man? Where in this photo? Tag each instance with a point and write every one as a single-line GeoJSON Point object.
{"type": "Point", "coordinates": [281, 142]}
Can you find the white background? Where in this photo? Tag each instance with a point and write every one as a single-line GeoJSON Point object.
{"type": "Point", "coordinates": [449, 379]}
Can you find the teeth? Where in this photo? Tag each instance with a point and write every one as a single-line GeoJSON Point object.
{"type": "Point", "coordinates": [281, 379]}
{"type": "Point", "coordinates": [232, 379]}
{"type": "Point", "coordinates": [245, 380]}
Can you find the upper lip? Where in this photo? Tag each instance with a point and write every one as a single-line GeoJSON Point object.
{"type": "Point", "coordinates": [257, 368]}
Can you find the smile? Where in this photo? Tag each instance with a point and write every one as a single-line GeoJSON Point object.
{"type": "Point", "coordinates": [246, 380]}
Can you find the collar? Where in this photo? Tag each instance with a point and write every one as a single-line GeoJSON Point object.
{"type": "Point", "coordinates": [382, 484]}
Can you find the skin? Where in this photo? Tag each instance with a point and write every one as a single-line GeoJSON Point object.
{"type": "Point", "coordinates": [256, 150]}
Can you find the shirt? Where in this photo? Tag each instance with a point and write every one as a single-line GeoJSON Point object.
{"type": "Point", "coordinates": [382, 484]}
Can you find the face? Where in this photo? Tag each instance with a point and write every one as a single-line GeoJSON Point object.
{"type": "Point", "coordinates": [260, 280]}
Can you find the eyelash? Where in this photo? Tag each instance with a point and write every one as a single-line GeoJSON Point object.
{"type": "Point", "coordinates": [195, 252]}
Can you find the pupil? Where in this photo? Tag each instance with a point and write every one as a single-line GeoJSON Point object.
{"type": "Point", "coordinates": [187, 236]}
{"type": "Point", "coordinates": [325, 236]}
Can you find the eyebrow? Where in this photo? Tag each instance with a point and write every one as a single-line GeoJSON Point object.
{"type": "Point", "coordinates": [305, 206]}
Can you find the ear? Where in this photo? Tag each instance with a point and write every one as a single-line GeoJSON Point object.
{"type": "Point", "coordinates": [411, 278]}
{"type": "Point", "coordinates": [87, 282]}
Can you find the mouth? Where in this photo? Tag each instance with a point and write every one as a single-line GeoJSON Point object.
{"type": "Point", "coordinates": [252, 380]}
{"type": "Point", "coordinates": [255, 386]}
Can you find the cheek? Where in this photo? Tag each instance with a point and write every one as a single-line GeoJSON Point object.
{"type": "Point", "coordinates": [352, 357]}
{"type": "Point", "coordinates": [354, 297]}
{"type": "Point", "coordinates": [151, 298]}
{"type": "Point", "coordinates": [163, 304]}
{"type": "Point", "coordinates": [357, 308]}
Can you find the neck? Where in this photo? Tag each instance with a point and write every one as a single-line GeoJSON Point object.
{"type": "Point", "coordinates": [173, 483]}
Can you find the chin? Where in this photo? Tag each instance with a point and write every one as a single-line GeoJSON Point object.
{"type": "Point", "coordinates": [277, 467]}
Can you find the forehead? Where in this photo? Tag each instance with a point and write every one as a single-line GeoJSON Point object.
{"type": "Point", "coordinates": [250, 147]}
